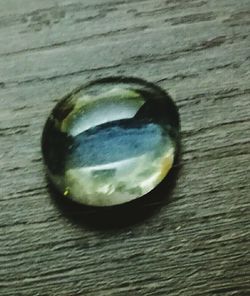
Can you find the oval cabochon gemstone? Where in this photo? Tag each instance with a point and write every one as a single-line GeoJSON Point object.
{"type": "Point", "coordinates": [111, 141]}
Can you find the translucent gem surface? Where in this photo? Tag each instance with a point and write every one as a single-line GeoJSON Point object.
{"type": "Point", "coordinates": [110, 141]}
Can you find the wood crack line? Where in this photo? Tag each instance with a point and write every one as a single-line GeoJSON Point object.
{"type": "Point", "coordinates": [76, 41]}
{"type": "Point", "coordinates": [140, 59]}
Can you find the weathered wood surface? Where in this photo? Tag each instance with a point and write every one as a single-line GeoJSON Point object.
{"type": "Point", "coordinates": [196, 241]}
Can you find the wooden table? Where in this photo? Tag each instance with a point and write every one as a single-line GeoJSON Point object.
{"type": "Point", "coordinates": [195, 241]}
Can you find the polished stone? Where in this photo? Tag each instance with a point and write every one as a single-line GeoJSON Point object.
{"type": "Point", "coordinates": [111, 141]}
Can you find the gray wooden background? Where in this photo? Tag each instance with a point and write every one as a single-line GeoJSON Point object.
{"type": "Point", "coordinates": [195, 241]}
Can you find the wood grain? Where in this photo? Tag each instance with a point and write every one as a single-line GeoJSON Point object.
{"type": "Point", "coordinates": [193, 242]}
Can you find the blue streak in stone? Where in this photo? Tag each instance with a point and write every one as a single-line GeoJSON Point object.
{"type": "Point", "coordinates": [114, 141]}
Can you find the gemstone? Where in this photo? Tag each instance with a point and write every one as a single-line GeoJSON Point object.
{"type": "Point", "coordinates": [111, 141]}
